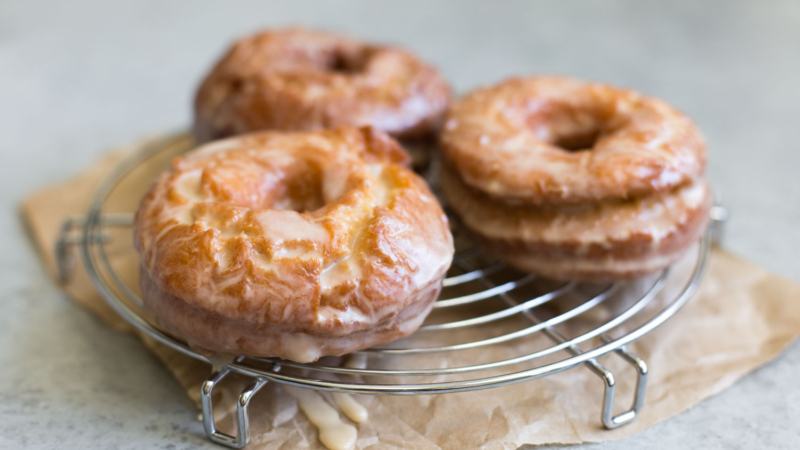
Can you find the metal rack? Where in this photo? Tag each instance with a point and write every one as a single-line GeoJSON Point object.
{"type": "Point", "coordinates": [478, 280]}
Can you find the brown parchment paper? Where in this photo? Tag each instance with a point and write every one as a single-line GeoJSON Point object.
{"type": "Point", "coordinates": [741, 317]}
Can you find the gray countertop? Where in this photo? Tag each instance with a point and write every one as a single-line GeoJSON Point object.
{"type": "Point", "coordinates": [78, 77]}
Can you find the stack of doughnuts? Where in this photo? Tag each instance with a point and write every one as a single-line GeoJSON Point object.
{"type": "Point", "coordinates": [292, 244]}
{"type": "Point", "coordinates": [575, 180]}
{"type": "Point", "coordinates": [297, 230]}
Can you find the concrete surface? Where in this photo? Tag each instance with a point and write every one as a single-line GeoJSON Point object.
{"type": "Point", "coordinates": [77, 77]}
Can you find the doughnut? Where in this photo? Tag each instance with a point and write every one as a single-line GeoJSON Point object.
{"type": "Point", "coordinates": [600, 241]}
{"type": "Point", "coordinates": [298, 79]}
{"type": "Point", "coordinates": [294, 245]}
{"type": "Point", "coordinates": [553, 140]}
{"type": "Point", "coordinates": [574, 180]}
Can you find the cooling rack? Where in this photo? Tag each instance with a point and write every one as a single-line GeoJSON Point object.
{"type": "Point", "coordinates": [526, 328]}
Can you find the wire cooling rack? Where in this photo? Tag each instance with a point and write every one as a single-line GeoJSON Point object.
{"type": "Point", "coordinates": [537, 327]}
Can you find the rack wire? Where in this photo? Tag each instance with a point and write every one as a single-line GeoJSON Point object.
{"type": "Point", "coordinates": [487, 295]}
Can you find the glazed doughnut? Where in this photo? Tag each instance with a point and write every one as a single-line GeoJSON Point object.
{"type": "Point", "coordinates": [552, 140]}
{"type": "Point", "coordinates": [575, 180]}
{"type": "Point", "coordinates": [297, 79]}
{"type": "Point", "coordinates": [292, 244]}
{"type": "Point", "coordinates": [598, 241]}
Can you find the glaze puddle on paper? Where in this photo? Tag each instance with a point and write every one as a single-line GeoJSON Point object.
{"type": "Point", "coordinates": [333, 432]}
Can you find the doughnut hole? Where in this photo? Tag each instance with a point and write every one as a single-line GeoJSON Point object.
{"type": "Point", "coordinates": [301, 191]}
{"type": "Point", "coordinates": [301, 185]}
{"type": "Point", "coordinates": [349, 61]}
{"type": "Point", "coordinates": [575, 127]}
{"type": "Point", "coordinates": [582, 140]}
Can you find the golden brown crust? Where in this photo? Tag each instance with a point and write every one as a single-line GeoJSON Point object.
{"type": "Point", "coordinates": [323, 238]}
{"type": "Point", "coordinates": [598, 241]}
{"type": "Point", "coordinates": [513, 140]}
{"type": "Point", "coordinates": [297, 79]}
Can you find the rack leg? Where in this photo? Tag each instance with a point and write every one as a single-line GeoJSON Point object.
{"type": "Point", "coordinates": [611, 421]}
{"type": "Point", "coordinates": [610, 385]}
{"type": "Point", "coordinates": [242, 407]}
{"type": "Point", "coordinates": [607, 416]}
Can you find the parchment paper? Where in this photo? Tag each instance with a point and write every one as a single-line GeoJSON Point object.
{"type": "Point", "coordinates": [741, 318]}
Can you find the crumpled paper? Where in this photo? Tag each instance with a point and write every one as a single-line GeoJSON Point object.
{"type": "Point", "coordinates": [741, 317]}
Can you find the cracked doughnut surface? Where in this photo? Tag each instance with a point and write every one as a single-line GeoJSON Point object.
{"type": "Point", "coordinates": [556, 140]}
{"type": "Point", "coordinates": [292, 244]}
{"type": "Point", "coordinates": [299, 79]}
